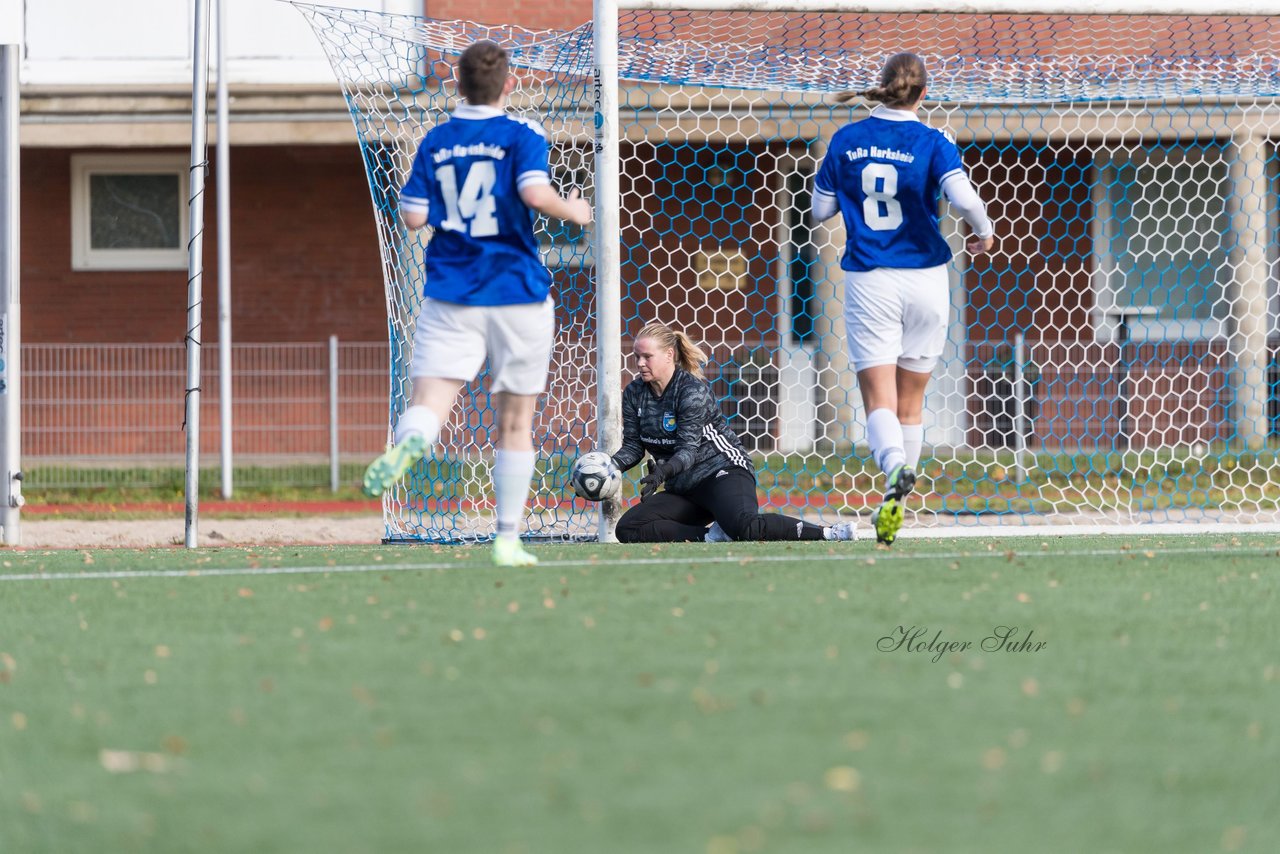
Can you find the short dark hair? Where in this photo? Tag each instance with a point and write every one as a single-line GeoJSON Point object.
{"type": "Point", "coordinates": [482, 72]}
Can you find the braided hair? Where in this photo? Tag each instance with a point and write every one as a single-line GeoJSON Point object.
{"type": "Point", "coordinates": [902, 81]}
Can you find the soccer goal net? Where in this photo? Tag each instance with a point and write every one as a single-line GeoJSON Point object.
{"type": "Point", "coordinates": [1111, 363]}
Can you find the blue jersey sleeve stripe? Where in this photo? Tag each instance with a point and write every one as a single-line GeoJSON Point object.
{"type": "Point", "coordinates": [944, 178]}
{"type": "Point", "coordinates": [532, 178]}
{"type": "Point", "coordinates": [824, 192]}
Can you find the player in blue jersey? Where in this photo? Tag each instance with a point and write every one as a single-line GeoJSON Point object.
{"type": "Point", "coordinates": [479, 180]}
{"type": "Point", "coordinates": [884, 174]}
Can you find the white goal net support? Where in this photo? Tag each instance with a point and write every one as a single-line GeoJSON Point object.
{"type": "Point", "coordinates": [1112, 363]}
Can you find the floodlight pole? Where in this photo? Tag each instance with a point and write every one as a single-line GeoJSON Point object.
{"type": "Point", "coordinates": [195, 259]}
{"type": "Point", "coordinates": [607, 242]}
{"type": "Point", "coordinates": [10, 272]}
{"type": "Point", "coordinates": [223, 176]}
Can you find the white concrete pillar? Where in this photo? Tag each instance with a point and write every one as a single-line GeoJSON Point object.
{"type": "Point", "coordinates": [837, 402]}
{"type": "Point", "coordinates": [1249, 208]}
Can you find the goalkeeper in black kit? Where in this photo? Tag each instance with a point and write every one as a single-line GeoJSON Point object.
{"type": "Point", "coordinates": [700, 484]}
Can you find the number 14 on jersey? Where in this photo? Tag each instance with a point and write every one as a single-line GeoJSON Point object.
{"type": "Point", "coordinates": [473, 210]}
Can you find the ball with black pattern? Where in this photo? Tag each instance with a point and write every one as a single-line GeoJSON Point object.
{"type": "Point", "coordinates": [595, 477]}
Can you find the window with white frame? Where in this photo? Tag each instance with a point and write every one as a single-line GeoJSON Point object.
{"type": "Point", "coordinates": [129, 211]}
{"type": "Point", "coordinates": [1162, 259]}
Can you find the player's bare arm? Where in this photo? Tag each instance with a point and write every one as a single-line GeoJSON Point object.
{"type": "Point", "coordinates": [544, 199]}
{"type": "Point", "coordinates": [413, 220]}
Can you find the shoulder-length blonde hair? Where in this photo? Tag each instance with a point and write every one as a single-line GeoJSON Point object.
{"type": "Point", "coordinates": [688, 356]}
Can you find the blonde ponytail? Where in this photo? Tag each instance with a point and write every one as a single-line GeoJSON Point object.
{"type": "Point", "coordinates": [689, 357]}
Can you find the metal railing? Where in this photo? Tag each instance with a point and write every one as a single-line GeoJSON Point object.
{"type": "Point", "coordinates": [103, 415]}
{"type": "Point", "coordinates": [314, 414]}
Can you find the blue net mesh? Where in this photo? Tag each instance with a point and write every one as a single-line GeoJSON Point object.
{"type": "Point", "coordinates": [1113, 360]}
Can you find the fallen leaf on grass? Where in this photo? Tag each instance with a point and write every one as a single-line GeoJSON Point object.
{"type": "Point", "coordinates": [1051, 762]}
{"type": "Point", "coordinates": [130, 761]}
{"type": "Point", "coordinates": [1233, 838]}
{"type": "Point", "coordinates": [842, 778]}
{"type": "Point", "coordinates": [362, 696]}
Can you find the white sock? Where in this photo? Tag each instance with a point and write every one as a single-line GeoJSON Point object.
{"type": "Point", "coordinates": [420, 420]}
{"type": "Point", "coordinates": [912, 443]}
{"type": "Point", "coordinates": [512, 473]}
{"type": "Point", "coordinates": [884, 435]}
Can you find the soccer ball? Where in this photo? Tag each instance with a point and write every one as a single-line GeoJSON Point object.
{"type": "Point", "coordinates": [595, 477]}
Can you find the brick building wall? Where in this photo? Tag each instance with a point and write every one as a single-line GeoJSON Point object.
{"type": "Point", "coordinates": [534, 14]}
{"type": "Point", "coordinates": [305, 257]}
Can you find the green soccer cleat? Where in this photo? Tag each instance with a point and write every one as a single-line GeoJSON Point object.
{"type": "Point", "coordinates": [508, 552]}
{"type": "Point", "coordinates": [887, 520]}
{"type": "Point", "coordinates": [384, 472]}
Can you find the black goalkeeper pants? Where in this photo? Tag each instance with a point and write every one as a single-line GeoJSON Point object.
{"type": "Point", "coordinates": [728, 497]}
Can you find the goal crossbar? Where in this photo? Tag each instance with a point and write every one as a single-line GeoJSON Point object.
{"type": "Point", "coordinates": [1151, 8]}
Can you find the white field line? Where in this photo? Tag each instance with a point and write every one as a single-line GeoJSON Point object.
{"type": "Point", "coordinates": [1144, 529]}
{"type": "Point", "coordinates": [697, 560]}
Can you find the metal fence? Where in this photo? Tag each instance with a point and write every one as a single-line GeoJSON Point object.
{"type": "Point", "coordinates": [105, 415]}
{"type": "Point", "coordinates": [314, 414]}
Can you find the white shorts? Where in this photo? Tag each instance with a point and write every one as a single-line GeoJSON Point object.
{"type": "Point", "coordinates": [894, 316]}
{"type": "Point", "coordinates": [450, 341]}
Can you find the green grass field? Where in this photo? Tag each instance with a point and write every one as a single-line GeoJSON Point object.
{"type": "Point", "coordinates": [704, 699]}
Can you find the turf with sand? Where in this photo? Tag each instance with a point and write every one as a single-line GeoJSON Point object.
{"type": "Point", "coordinates": [641, 699]}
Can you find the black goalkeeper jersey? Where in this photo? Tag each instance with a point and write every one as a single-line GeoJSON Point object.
{"type": "Point", "coordinates": [683, 425]}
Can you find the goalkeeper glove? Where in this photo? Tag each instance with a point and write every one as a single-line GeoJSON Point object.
{"type": "Point", "coordinates": [659, 471]}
